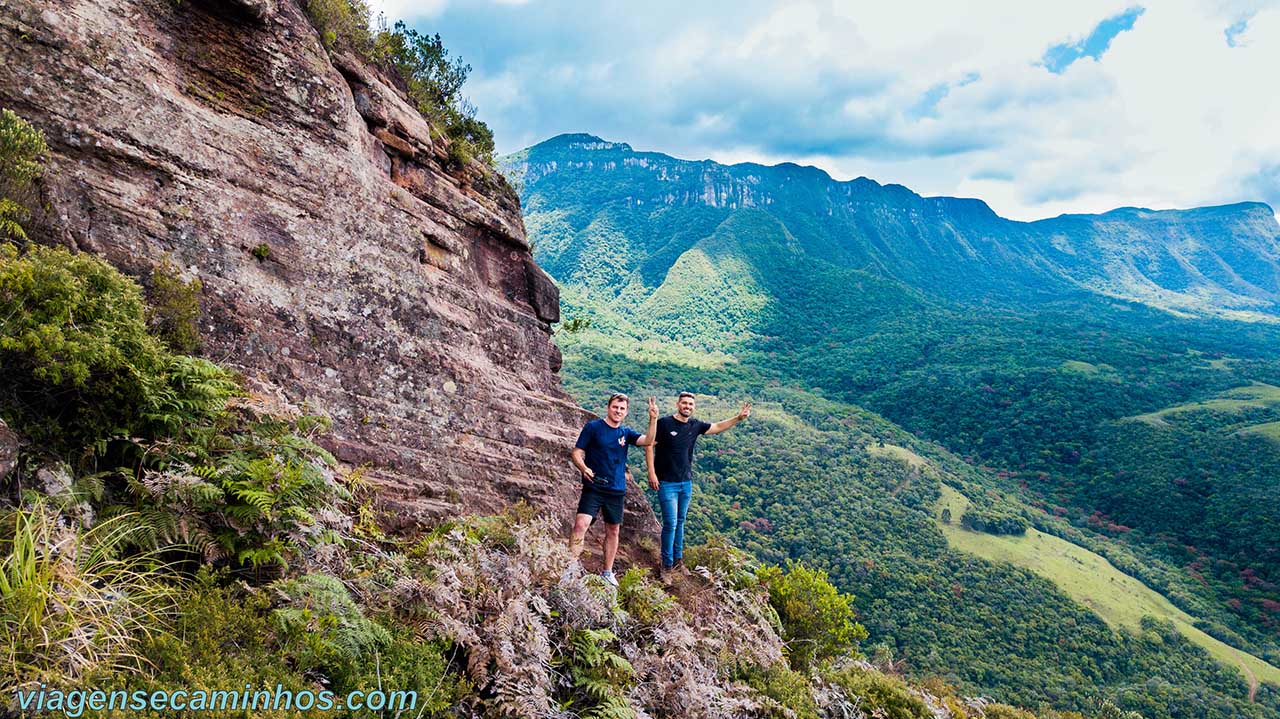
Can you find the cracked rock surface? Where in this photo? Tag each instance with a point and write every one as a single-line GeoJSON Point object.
{"type": "Point", "coordinates": [389, 290]}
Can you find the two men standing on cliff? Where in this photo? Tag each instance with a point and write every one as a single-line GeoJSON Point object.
{"type": "Point", "coordinates": [601, 452]}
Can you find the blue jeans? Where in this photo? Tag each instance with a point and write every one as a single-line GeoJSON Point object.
{"type": "Point", "coordinates": [673, 498]}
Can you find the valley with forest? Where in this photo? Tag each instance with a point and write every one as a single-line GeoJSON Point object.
{"type": "Point", "coordinates": [1102, 446]}
{"type": "Point", "coordinates": [292, 360]}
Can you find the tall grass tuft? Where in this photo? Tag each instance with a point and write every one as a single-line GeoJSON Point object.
{"type": "Point", "coordinates": [69, 602]}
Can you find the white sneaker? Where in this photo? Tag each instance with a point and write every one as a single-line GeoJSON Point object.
{"type": "Point", "coordinates": [608, 577]}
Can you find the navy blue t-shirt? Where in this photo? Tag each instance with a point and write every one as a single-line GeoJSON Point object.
{"type": "Point", "coordinates": [605, 448]}
{"type": "Point", "coordinates": [673, 454]}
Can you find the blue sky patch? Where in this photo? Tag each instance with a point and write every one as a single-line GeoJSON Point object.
{"type": "Point", "coordinates": [1233, 31]}
{"type": "Point", "coordinates": [927, 105]}
{"type": "Point", "coordinates": [1059, 57]}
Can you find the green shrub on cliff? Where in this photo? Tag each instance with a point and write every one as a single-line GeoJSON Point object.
{"type": "Point", "coordinates": [79, 362]}
{"type": "Point", "coordinates": [341, 22]}
{"type": "Point", "coordinates": [881, 695]}
{"type": "Point", "coordinates": [789, 688]}
{"type": "Point", "coordinates": [21, 146]}
{"type": "Point", "coordinates": [163, 442]}
{"type": "Point", "coordinates": [432, 80]}
{"type": "Point", "coordinates": [434, 84]}
{"type": "Point", "coordinates": [817, 619]}
{"type": "Point", "coordinates": [174, 308]}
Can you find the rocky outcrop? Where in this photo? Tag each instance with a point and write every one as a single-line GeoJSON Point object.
{"type": "Point", "coordinates": [10, 444]}
{"type": "Point", "coordinates": [344, 261]}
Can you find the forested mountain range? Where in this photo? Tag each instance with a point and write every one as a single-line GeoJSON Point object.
{"type": "Point", "coordinates": [1213, 260]}
{"type": "Point", "coordinates": [265, 439]}
{"type": "Point", "coordinates": [1111, 379]}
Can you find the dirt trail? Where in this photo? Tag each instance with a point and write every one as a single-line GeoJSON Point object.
{"type": "Point", "coordinates": [1253, 679]}
{"type": "Point", "coordinates": [905, 483]}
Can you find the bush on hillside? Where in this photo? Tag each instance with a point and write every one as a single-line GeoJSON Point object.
{"type": "Point", "coordinates": [21, 147]}
{"type": "Point", "coordinates": [994, 522]}
{"type": "Point", "coordinates": [80, 363]}
{"type": "Point", "coordinates": [432, 80]}
{"type": "Point", "coordinates": [434, 84]}
{"type": "Point", "coordinates": [175, 443]}
{"type": "Point", "coordinates": [342, 23]}
{"type": "Point", "coordinates": [1004, 711]}
{"type": "Point", "coordinates": [817, 619]}
{"type": "Point", "coordinates": [644, 601]}
{"type": "Point", "coordinates": [221, 640]}
{"type": "Point", "coordinates": [881, 695]}
{"type": "Point", "coordinates": [733, 566]}
{"type": "Point", "coordinates": [173, 308]}
{"type": "Point", "coordinates": [790, 690]}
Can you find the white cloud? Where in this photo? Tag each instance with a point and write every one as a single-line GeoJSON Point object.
{"type": "Point", "coordinates": [404, 9]}
{"type": "Point", "coordinates": [1171, 115]}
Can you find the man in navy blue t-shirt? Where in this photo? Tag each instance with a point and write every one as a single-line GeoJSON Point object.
{"type": "Point", "coordinates": [601, 456]}
{"type": "Point", "coordinates": [670, 462]}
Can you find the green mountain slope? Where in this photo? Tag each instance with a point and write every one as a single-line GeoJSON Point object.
{"type": "Point", "coordinates": [1023, 348]}
{"type": "Point", "coordinates": [1092, 581]}
{"type": "Point", "coordinates": [807, 479]}
{"type": "Point", "coordinates": [1215, 261]}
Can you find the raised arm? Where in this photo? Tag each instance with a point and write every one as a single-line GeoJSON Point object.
{"type": "Point", "coordinates": [648, 463]}
{"type": "Point", "coordinates": [646, 439]}
{"type": "Point", "coordinates": [724, 424]}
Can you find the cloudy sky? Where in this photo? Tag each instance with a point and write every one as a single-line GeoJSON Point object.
{"type": "Point", "coordinates": [1065, 107]}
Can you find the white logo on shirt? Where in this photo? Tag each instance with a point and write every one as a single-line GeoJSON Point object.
{"type": "Point", "coordinates": [674, 434]}
{"type": "Point", "coordinates": [622, 441]}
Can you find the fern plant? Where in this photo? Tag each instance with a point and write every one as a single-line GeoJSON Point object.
{"type": "Point", "coordinates": [320, 617]}
{"type": "Point", "coordinates": [600, 676]}
{"type": "Point", "coordinates": [188, 396]}
{"type": "Point", "coordinates": [269, 508]}
{"type": "Point", "coordinates": [643, 600]}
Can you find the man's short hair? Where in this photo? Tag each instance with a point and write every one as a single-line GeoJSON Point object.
{"type": "Point", "coordinates": [685, 394]}
{"type": "Point", "coordinates": [617, 395]}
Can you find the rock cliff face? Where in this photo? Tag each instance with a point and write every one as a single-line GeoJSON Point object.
{"type": "Point", "coordinates": [345, 264]}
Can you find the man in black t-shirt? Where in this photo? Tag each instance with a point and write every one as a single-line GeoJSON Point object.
{"type": "Point", "coordinates": [670, 462]}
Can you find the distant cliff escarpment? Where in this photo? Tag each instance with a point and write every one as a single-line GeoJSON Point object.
{"type": "Point", "coordinates": [1215, 261]}
{"type": "Point", "coordinates": [347, 258]}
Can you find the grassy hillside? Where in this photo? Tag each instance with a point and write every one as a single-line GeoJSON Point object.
{"type": "Point", "coordinates": [1257, 395]}
{"type": "Point", "coordinates": [842, 489]}
{"type": "Point", "coordinates": [1092, 581]}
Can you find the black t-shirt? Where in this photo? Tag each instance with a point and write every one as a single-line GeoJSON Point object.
{"type": "Point", "coordinates": [673, 453]}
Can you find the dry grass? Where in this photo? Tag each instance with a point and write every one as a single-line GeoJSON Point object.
{"type": "Point", "coordinates": [68, 603]}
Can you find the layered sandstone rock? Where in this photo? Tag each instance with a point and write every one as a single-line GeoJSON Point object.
{"type": "Point", "coordinates": [344, 262]}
